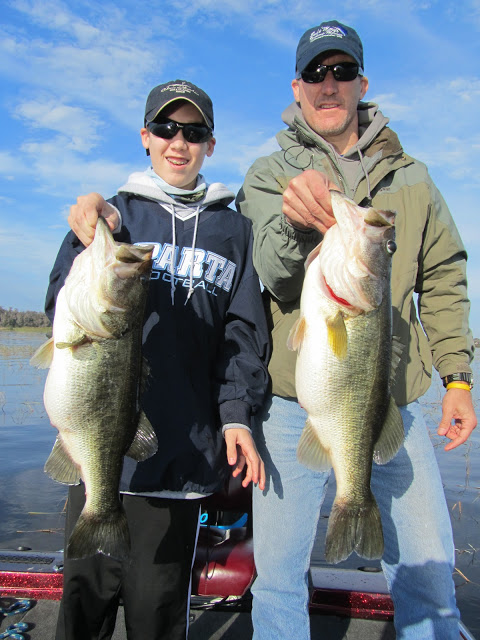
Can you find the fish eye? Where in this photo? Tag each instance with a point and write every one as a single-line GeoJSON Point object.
{"type": "Point", "coordinates": [391, 247]}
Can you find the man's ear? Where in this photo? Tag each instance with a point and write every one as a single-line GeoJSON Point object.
{"type": "Point", "coordinates": [296, 90]}
{"type": "Point", "coordinates": [363, 86]}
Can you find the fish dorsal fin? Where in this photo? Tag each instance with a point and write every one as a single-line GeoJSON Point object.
{"type": "Point", "coordinates": [377, 218]}
{"type": "Point", "coordinates": [144, 375]}
{"type": "Point", "coordinates": [297, 334]}
{"type": "Point", "coordinates": [145, 442]}
{"type": "Point", "coordinates": [43, 356]}
{"type": "Point", "coordinates": [310, 451]}
{"type": "Point", "coordinates": [312, 255]}
{"type": "Point", "coordinates": [337, 335]}
{"type": "Point", "coordinates": [392, 435]}
{"type": "Point", "coordinates": [60, 467]}
{"type": "Point", "coordinates": [397, 353]}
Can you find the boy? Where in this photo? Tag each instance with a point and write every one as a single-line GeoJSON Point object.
{"type": "Point", "coordinates": [206, 342]}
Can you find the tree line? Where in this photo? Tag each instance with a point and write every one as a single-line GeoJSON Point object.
{"type": "Point", "coordinates": [12, 318]}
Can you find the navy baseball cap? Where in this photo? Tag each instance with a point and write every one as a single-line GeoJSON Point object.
{"type": "Point", "coordinates": [329, 36]}
{"type": "Point", "coordinates": [166, 93]}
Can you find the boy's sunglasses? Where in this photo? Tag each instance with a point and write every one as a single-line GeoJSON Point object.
{"type": "Point", "coordinates": [168, 129]}
{"type": "Point", "coordinates": [342, 71]}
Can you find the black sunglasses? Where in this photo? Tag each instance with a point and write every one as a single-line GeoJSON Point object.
{"type": "Point", "coordinates": [168, 129]}
{"type": "Point", "coordinates": [342, 71]}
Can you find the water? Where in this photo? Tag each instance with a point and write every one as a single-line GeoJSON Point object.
{"type": "Point", "coordinates": [32, 505]}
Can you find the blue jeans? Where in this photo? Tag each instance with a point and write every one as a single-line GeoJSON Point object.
{"type": "Point", "coordinates": [418, 561]}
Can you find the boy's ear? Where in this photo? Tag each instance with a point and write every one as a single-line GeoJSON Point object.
{"type": "Point", "coordinates": [145, 137]}
{"type": "Point", "coordinates": [210, 146]}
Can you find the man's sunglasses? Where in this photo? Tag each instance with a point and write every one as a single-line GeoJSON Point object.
{"type": "Point", "coordinates": [168, 129]}
{"type": "Point", "coordinates": [342, 71]}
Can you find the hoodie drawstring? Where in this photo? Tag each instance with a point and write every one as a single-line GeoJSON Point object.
{"type": "Point", "coordinates": [190, 288]}
{"type": "Point", "coordinates": [173, 266]}
{"type": "Point", "coordinates": [362, 162]}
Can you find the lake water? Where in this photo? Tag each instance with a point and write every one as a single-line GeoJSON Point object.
{"type": "Point", "coordinates": [32, 505]}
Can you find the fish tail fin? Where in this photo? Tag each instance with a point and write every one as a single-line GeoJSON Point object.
{"type": "Point", "coordinates": [107, 534]}
{"type": "Point", "coordinates": [353, 528]}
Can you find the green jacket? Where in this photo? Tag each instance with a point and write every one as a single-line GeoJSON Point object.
{"type": "Point", "coordinates": [429, 286]}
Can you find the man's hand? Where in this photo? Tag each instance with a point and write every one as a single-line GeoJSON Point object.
{"type": "Point", "coordinates": [241, 450]}
{"type": "Point", "coordinates": [84, 215]}
{"type": "Point", "coordinates": [307, 203]}
{"type": "Point", "coordinates": [457, 408]}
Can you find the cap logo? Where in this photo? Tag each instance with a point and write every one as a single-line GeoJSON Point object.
{"type": "Point", "coordinates": [179, 88]}
{"type": "Point", "coordinates": [327, 32]}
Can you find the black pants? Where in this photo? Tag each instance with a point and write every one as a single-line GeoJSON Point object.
{"type": "Point", "coordinates": [153, 584]}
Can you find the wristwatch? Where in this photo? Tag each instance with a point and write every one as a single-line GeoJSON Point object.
{"type": "Point", "coordinates": [458, 377]}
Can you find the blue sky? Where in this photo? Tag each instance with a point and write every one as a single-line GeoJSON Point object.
{"type": "Point", "coordinates": [75, 76]}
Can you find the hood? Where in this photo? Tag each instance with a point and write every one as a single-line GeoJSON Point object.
{"type": "Point", "coordinates": [141, 184]}
{"type": "Point", "coordinates": [370, 122]}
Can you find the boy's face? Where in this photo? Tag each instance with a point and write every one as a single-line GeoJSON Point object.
{"type": "Point", "coordinates": [177, 161]}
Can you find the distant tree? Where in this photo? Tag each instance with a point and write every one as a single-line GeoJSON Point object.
{"type": "Point", "coordinates": [13, 318]}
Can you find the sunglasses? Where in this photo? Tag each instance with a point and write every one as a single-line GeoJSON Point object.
{"type": "Point", "coordinates": [342, 71]}
{"type": "Point", "coordinates": [168, 129]}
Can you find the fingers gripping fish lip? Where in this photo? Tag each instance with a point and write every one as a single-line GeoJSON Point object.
{"type": "Point", "coordinates": [355, 255]}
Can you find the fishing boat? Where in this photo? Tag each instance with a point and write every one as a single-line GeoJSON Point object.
{"type": "Point", "coordinates": [344, 603]}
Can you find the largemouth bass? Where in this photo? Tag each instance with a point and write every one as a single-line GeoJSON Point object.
{"type": "Point", "coordinates": [92, 389]}
{"type": "Point", "coordinates": [343, 372]}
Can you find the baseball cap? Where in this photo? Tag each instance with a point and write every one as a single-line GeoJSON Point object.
{"type": "Point", "coordinates": [164, 94]}
{"type": "Point", "coordinates": [328, 36]}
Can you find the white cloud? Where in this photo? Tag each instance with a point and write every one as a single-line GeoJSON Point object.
{"type": "Point", "coordinates": [59, 171]}
{"type": "Point", "coordinates": [78, 125]}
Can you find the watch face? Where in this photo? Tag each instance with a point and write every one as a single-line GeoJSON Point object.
{"type": "Point", "coordinates": [458, 377]}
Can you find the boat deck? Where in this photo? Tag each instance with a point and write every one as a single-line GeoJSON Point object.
{"type": "Point", "coordinates": [211, 625]}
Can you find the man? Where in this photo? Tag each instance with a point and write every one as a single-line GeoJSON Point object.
{"type": "Point", "coordinates": [336, 141]}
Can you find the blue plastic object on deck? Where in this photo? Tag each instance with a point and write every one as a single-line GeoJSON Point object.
{"type": "Point", "coordinates": [15, 631]}
{"type": "Point", "coordinates": [19, 606]}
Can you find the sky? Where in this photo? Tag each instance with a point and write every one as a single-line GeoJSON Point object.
{"type": "Point", "coordinates": [75, 75]}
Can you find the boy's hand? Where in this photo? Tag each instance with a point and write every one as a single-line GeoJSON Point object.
{"type": "Point", "coordinates": [84, 215]}
{"type": "Point", "coordinates": [307, 203]}
{"type": "Point", "coordinates": [241, 450]}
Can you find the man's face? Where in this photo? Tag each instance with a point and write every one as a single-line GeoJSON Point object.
{"type": "Point", "coordinates": [177, 161]}
{"type": "Point", "coordinates": [330, 107]}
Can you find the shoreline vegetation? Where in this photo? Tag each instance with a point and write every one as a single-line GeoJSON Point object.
{"type": "Point", "coordinates": [26, 320]}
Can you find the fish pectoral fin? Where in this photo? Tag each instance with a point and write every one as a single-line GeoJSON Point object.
{"type": "Point", "coordinates": [145, 442]}
{"type": "Point", "coordinates": [43, 356]}
{"type": "Point", "coordinates": [337, 335]}
{"type": "Point", "coordinates": [60, 467]}
{"type": "Point", "coordinates": [75, 342]}
{"type": "Point", "coordinates": [392, 435]}
{"type": "Point", "coordinates": [310, 451]}
{"type": "Point", "coordinates": [297, 334]}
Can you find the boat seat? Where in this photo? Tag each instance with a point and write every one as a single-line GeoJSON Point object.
{"type": "Point", "coordinates": [224, 563]}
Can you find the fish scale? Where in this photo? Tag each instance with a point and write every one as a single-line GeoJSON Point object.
{"type": "Point", "coordinates": [343, 371]}
{"type": "Point", "coordinates": [92, 391]}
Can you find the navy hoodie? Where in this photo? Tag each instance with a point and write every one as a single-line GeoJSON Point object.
{"type": "Point", "coordinates": [208, 350]}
